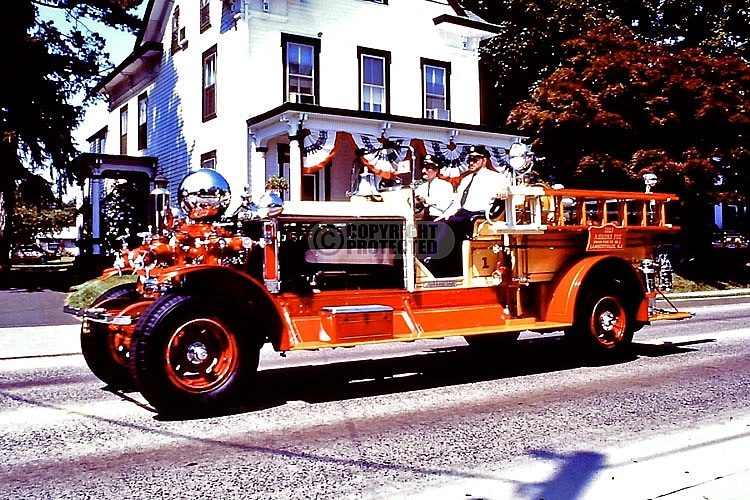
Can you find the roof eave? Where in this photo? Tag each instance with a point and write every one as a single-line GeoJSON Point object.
{"type": "Point", "coordinates": [130, 64]}
{"type": "Point", "coordinates": [469, 27]}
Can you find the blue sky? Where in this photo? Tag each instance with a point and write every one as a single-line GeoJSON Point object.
{"type": "Point", "coordinates": [119, 44]}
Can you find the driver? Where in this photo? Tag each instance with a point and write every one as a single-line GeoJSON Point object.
{"type": "Point", "coordinates": [476, 191]}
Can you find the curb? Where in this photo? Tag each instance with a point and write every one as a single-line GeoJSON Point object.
{"type": "Point", "coordinates": [734, 292]}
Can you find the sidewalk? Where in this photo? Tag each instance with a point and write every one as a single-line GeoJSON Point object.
{"type": "Point", "coordinates": [732, 292]}
{"type": "Point", "coordinates": [39, 341]}
{"type": "Point", "coordinates": [710, 462]}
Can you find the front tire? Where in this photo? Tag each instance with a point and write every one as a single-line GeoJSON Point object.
{"type": "Point", "coordinates": [106, 348]}
{"type": "Point", "coordinates": [603, 324]}
{"type": "Point", "coordinates": [192, 354]}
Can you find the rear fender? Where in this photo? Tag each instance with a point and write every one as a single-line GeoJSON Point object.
{"type": "Point", "coordinates": [562, 305]}
{"type": "Point", "coordinates": [238, 287]}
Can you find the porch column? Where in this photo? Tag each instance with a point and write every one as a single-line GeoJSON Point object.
{"type": "Point", "coordinates": [295, 123]}
{"type": "Point", "coordinates": [257, 173]}
{"type": "Point", "coordinates": [96, 215]}
{"type": "Point", "coordinates": [295, 169]}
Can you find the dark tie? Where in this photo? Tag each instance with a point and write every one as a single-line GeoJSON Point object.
{"type": "Point", "coordinates": [466, 191]}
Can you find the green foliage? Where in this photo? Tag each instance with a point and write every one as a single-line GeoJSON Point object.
{"type": "Point", "coordinates": [530, 44]}
{"type": "Point", "coordinates": [31, 220]}
{"type": "Point", "coordinates": [49, 68]}
{"type": "Point", "coordinates": [617, 107]}
{"type": "Point", "coordinates": [122, 210]}
{"type": "Point", "coordinates": [278, 183]}
{"type": "Point", "coordinates": [86, 293]}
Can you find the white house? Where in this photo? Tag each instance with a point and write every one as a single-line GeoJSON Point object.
{"type": "Point", "coordinates": [299, 88]}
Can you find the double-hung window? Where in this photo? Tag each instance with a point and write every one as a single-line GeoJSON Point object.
{"type": "Point", "coordinates": [205, 15]}
{"type": "Point", "coordinates": [124, 130]}
{"type": "Point", "coordinates": [98, 141]}
{"type": "Point", "coordinates": [208, 160]}
{"type": "Point", "coordinates": [176, 29]}
{"type": "Point", "coordinates": [435, 81]}
{"type": "Point", "coordinates": [142, 121]}
{"type": "Point", "coordinates": [300, 68]}
{"type": "Point", "coordinates": [209, 84]}
{"type": "Point", "coordinates": [374, 70]}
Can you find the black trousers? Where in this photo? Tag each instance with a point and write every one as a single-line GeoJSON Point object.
{"type": "Point", "coordinates": [450, 236]}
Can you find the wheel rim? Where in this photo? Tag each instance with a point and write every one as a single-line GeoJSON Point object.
{"type": "Point", "coordinates": [119, 345]}
{"type": "Point", "coordinates": [201, 355]}
{"type": "Point", "coordinates": [608, 321]}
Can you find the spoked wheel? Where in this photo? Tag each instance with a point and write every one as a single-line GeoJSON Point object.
{"type": "Point", "coordinates": [106, 348]}
{"type": "Point", "coordinates": [192, 354]}
{"type": "Point", "coordinates": [603, 323]}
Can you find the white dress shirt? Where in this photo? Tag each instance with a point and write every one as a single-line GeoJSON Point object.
{"type": "Point", "coordinates": [480, 188]}
{"type": "Point", "coordinates": [438, 195]}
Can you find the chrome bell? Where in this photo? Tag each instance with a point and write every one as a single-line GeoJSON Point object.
{"type": "Point", "coordinates": [367, 186]}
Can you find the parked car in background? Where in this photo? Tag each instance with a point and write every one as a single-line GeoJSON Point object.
{"type": "Point", "coordinates": [29, 254]}
{"type": "Point", "coordinates": [729, 240]}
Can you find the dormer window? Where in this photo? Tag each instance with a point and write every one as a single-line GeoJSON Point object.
{"type": "Point", "coordinates": [205, 14]}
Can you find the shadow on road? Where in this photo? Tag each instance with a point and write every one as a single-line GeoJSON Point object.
{"type": "Point", "coordinates": [433, 368]}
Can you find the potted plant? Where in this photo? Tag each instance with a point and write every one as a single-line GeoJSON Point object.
{"type": "Point", "coordinates": [277, 183]}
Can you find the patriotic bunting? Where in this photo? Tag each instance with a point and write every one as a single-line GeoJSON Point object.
{"type": "Point", "coordinates": [384, 156]}
{"type": "Point", "coordinates": [389, 157]}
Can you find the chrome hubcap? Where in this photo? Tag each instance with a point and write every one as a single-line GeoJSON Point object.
{"type": "Point", "coordinates": [608, 321]}
{"type": "Point", "coordinates": [197, 353]}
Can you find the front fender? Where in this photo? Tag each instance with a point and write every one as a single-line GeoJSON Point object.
{"type": "Point", "coordinates": [562, 305]}
{"type": "Point", "coordinates": [235, 286]}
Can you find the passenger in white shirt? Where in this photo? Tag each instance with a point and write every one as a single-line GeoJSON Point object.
{"type": "Point", "coordinates": [435, 194]}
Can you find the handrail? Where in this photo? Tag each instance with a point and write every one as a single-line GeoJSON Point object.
{"type": "Point", "coordinates": [582, 208]}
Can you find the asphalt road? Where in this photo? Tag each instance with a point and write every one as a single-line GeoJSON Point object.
{"type": "Point", "coordinates": [421, 420]}
{"type": "Point", "coordinates": [23, 307]}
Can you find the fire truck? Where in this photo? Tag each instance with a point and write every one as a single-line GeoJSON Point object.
{"type": "Point", "coordinates": [210, 292]}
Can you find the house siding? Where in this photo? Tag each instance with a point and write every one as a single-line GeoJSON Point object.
{"type": "Point", "coordinates": [250, 74]}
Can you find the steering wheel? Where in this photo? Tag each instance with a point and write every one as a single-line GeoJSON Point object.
{"type": "Point", "coordinates": [389, 184]}
{"type": "Point", "coordinates": [495, 209]}
{"type": "Point", "coordinates": [419, 206]}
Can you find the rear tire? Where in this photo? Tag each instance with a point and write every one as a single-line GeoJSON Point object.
{"type": "Point", "coordinates": [107, 351]}
{"type": "Point", "coordinates": [603, 324]}
{"type": "Point", "coordinates": [192, 354]}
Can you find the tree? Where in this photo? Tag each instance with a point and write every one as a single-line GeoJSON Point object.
{"type": "Point", "coordinates": [529, 46]}
{"type": "Point", "coordinates": [50, 68]}
{"type": "Point", "coordinates": [32, 221]}
{"type": "Point", "coordinates": [617, 108]}
{"type": "Point", "coordinates": [618, 104]}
